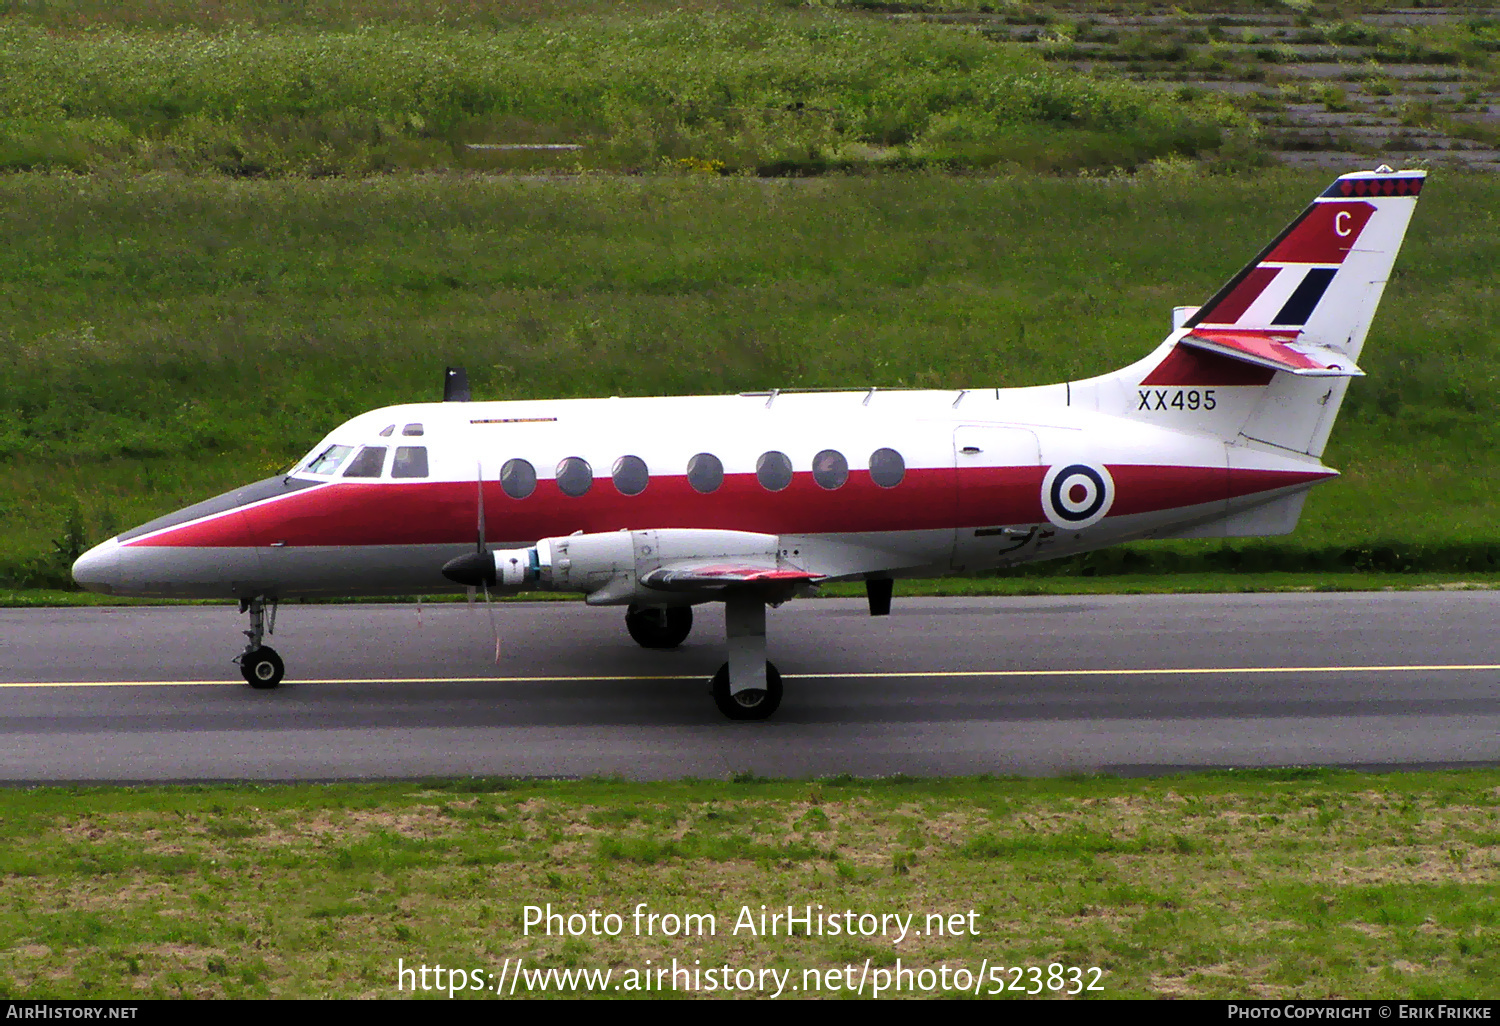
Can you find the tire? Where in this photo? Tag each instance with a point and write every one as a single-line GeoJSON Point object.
{"type": "Point", "coordinates": [262, 668]}
{"type": "Point", "coordinates": [659, 627]}
{"type": "Point", "coordinates": [747, 705]}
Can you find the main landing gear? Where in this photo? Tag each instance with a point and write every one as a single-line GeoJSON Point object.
{"type": "Point", "coordinates": [747, 687]}
{"type": "Point", "coordinates": [259, 664]}
{"type": "Point", "coordinates": [659, 627]}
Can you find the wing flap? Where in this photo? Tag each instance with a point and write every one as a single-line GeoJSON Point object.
{"type": "Point", "coordinates": [1277, 350]}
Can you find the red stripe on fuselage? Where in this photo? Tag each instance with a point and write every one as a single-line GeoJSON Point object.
{"type": "Point", "coordinates": [437, 512]}
{"type": "Point", "coordinates": [999, 495]}
{"type": "Point", "coordinates": [1152, 489]}
{"type": "Point", "coordinates": [1148, 489]}
{"type": "Point", "coordinates": [444, 512]}
{"type": "Point", "coordinates": [1250, 482]}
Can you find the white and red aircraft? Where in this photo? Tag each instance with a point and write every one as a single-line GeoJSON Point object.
{"type": "Point", "coordinates": [752, 499]}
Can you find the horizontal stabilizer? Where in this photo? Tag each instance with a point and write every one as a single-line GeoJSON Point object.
{"type": "Point", "coordinates": [1276, 350]}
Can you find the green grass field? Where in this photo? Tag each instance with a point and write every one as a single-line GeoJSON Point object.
{"type": "Point", "coordinates": [755, 91]}
{"type": "Point", "coordinates": [169, 337]}
{"type": "Point", "coordinates": [1283, 884]}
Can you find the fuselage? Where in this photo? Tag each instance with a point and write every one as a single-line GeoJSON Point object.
{"type": "Point", "coordinates": [940, 482]}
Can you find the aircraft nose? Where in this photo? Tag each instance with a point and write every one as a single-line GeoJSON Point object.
{"type": "Point", "coordinates": [98, 569]}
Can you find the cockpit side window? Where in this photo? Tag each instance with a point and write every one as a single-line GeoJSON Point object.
{"type": "Point", "coordinates": [412, 429]}
{"type": "Point", "coordinates": [368, 463]}
{"type": "Point", "coordinates": [410, 461]}
{"type": "Point", "coordinates": [327, 461]}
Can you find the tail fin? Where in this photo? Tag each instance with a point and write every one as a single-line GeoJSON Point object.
{"type": "Point", "coordinates": [1269, 357]}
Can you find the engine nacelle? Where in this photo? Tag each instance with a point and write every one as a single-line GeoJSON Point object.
{"type": "Point", "coordinates": [608, 567]}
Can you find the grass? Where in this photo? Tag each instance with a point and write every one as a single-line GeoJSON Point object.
{"type": "Point", "coordinates": [169, 337]}
{"type": "Point", "coordinates": [344, 14]}
{"type": "Point", "coordinates": [347, 14]}
{"type": "Point", "coordinates": [759, 92]}
{"type": "Point", "coordinates": [1271, 884]}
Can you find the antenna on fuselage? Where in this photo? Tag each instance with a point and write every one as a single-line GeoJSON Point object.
{"type": "Point", "coordinates": [455, 386]}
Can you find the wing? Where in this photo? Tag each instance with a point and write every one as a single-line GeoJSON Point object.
{"type": "Point", "coordinates": [788, 560]}
{"type": "Point", "coordinates": [715, 575]}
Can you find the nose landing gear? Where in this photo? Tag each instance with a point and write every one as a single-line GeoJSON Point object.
{"type": "Point", "coordinates": [261, 667]}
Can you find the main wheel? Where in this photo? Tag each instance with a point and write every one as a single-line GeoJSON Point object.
{"type": "Point", "coordinates": [262, 668]}
{"type": "Point", "coordinates": [658, 627]}
{"type": "Point", "coordinates": [747, 705]}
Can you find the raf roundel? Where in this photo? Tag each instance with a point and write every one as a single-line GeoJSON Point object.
{"type": "Point", "coordinates": [1077, 495]}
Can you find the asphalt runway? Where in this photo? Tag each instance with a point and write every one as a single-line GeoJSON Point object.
{"type": "Point", "coordinates": [1033, 686]}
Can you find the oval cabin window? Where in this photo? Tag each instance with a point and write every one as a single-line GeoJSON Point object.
{"type": "Point", "coordinates": [887, 468]}
{"type": "Point", "coordinates": [705, 473]}
{"type": "Point", "coordinates": [774, 471]}
{"type": "Point", "coordinates": [630, 475]}
{"type": "Point", "coordinates": [574, 476]}
{"type": "Point", "coordinates": [518, 478]}
{"type": "Point", "coordinates": [830, 469]}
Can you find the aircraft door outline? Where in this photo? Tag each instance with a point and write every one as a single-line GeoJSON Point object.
{"type": "Point", "coordinates": [998, 470]}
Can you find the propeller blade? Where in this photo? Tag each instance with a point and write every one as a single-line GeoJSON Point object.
{"type": "Point", "coordinates": [479, 483]}
{"type": "Point", "coordinates": [494, 630]}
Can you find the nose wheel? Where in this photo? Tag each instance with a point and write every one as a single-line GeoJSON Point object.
{"type": "Point", "coordinates": [261, 667]}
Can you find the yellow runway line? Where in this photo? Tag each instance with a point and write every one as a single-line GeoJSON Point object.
{"type": "Point", "coordinates": [1167, 671]}
{"type": "Point", "coordinates": [1159, 672]}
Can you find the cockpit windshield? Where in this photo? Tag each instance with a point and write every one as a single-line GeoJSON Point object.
{"type": "Point", "coordinates": [327, 461]}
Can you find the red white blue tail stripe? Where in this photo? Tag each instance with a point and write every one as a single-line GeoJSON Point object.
{"type": "Point", "coordinates": [1282, 287]}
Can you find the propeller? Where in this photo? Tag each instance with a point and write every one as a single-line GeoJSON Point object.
{"type": "Point", "coordinates": [484, 552]}
{"type": "Point", "coordinates": [479, 543]}
{"type": "Point", "coordinates": [477, 569]}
